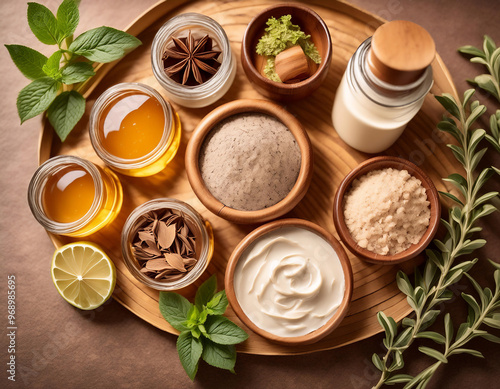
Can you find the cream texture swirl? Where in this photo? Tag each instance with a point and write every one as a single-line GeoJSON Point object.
{"type": "Point", "coordinates": [289, 282]}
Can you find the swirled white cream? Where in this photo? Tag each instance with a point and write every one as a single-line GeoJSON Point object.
{"type": "Point", "coordinates": [289, 282]}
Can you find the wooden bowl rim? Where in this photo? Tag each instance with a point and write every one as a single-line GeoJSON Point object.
{"type": "Point", "coordinates": [232, 108]}
{"type": "Point", "coordinates": [320, 332]}
{"type": "Point", "coordinates": [383, 162]}
{"type": "Point", "coordinates": [247, 57]}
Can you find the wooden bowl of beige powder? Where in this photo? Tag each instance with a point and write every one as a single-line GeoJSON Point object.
{"type": "Point", "coordinates": [386, 210]}
{"type": "Point", "coordinates": [249, 161]}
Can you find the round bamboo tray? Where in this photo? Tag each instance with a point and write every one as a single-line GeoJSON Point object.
{"type": "Point", "coordinates": [375, 287]}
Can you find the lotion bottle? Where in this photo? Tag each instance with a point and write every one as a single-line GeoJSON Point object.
{"type": "Point", "coordinates": [384, 86]}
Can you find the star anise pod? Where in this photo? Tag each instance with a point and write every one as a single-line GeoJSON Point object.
{"type": "Point", "coordinates": [187, 57]}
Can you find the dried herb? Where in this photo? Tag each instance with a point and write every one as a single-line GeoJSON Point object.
{"type": "Point", "coordinates": [191, 62]}
{"type": "Point", "coordinates": [164, 245]}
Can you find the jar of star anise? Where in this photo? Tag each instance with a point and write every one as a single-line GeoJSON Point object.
{"type": "Point", "coordinates": [192, 59]}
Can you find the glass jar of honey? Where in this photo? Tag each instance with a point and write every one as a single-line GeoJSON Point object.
{"type": "Point", "coordinates": [134, 130]}
{"type": "Point", "coordinates": [71, 196]}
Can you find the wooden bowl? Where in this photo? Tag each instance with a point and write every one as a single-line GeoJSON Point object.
{"type": "Point", "coordinates": [322, 331]}
{"type": "Point", "coordinates": [235, 107]}
{"type": "Point", "coordinates": [312, 24]}
{"type": "Point", "coordinates": [378, 163]}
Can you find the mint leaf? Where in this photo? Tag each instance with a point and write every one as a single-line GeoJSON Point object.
{"type": "Point", "coordinates": [219, 355]}
{"type": "Point", "coordinates": [175, 309]}
{"type": "Point", "coordinates": [103, 44]}
{"type": "Point", "coordinates": [43, 23]}
{"type": "Point", "coordinates": [77, 72]}
{"type": "Point", "coordinates": [192, 317]}
{"type": "Point", "coordinates": [51, 68]}
{"type": "Point", "coordinates": [30, 62]}
{"type": "Point", "coordinates": [189, 350]}
{"type": "Point", "coordinates": [205, 292]}
{"type": "Point", "coordinates": [224, 331]}
{"type": "Point", "coordinates": [36, 97]}
{"type": "Point", "coordinates": [68, 17]}
{"type": "Point", "coordinates": [218, 304]}
{"type": "Point", "coordinates": [65, 111]}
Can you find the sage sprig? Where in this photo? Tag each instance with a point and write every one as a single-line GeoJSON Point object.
{"type": "Point", "coordinates": [431, 287]}
{"type": "Point", "coordinates": [58, 79]}
{"type": "Point", "coordinates": [489, 57]}
{"type": "Point", "coordinates": [204, 332]}
{"type": "Point", "coordinates": [486, 311]}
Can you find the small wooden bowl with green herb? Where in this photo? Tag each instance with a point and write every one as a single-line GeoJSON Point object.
{"type": "Point", "coordinates": [304, 70]}
{"type": "Point", "coordinates": [246, 171]}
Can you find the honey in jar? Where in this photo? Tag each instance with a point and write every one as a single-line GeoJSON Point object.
{"type": "Point", "coordinates": [134, 130]}
{"type": "Point", "coordinates": [71, 196]}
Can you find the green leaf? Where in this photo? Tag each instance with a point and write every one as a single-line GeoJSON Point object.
{"type": "Point", "coordinates": [77, 72]}
{"type": "Point", "coordinates": [436, 337]}
{"type": "Point", "coordinates": [219, 355]}
{"type": "Point", "coordinates": [218, 304]}
{"type": "Point", "coordinates": [450, 128]}
{"type": "Point", "coordinates": [189, 349]}
{"type": "Point", "coordinates": [487, 82]}
{"type": "Point", "coordinates": [491, 338]}
{"type": "Point", "coordinates": [433, 353]}
{"type": "Point", "coordinates": [404, 338]}
{"type": "Point", "coordinates": [465, 266]}
{"type": "Point", "coordinates": [30, 62]}
{"type": "Point", "coordinates": [450, 104]}
{"type": "Point", "coordinates": [485, 210]}
{"type": "Point", "coordinates": [461, 331]}
{"type": "Point", "coordinates": [51, 68]}
{"type": "Point", "coordinates": [453, 197]}
{"type": "Point", "coordinates": [488, 45]}
{"type": "Point", "coordinates": [429, 318]}
{"type": "Point", "coordinates": [389, 326]}
{"type": "Point", "coordinates": [404, 284]}
{"type": "Point", "coordinates": [192, 317]}
{"type": "Point", "coordinates": [448, 328]}
{"type": "Point", "coordinates": [459, 182]}
{"type": "Point", "coordinates": [474, 115]}
{"type": "Point", "coordinates": [43, 24]}
{"type": "Point", "coordinates": [435, 257]}
{"type": "Point", "coordinates": [476, 158]}
{"type": "Point", "coordinates": [224, 331]}
{"type": "Point", "coordinates": [479, 290]}
{"type": "Point", "coordinates": [68, 18]}
{"type": "Point", "coordinates": [458, 152]}
{"type": "Point", "coordinates": [492, 322]}
{"type": "Point", "coordinates": [398, 379]}
{"type": "Point", "coordinates": [36, 97]}
{"type": "Point", "coordinates": [494, 264]}
{"type": "Point", "coordinates": [472, 303]}
{"type": "Point", "coordinates": [175, 309]}
{"type": "Point", "coordinates": [407, 322]}
{"type": "Point", "coordinates": [472, 246]}
{"type": "Point", "coordinates": [467, 96]}
{"type": "Point", "coordinates": [377, 362]}
{"type": "Point", "coordinates": [471, 50]}
{"type": "Point", "coordinates": [103, 44]}
{"type": "Point", "coordinates": [484, 198]}
{"type": "Point", "coordinates": [205, 292]}
{"type": "Point", "coordinates": [474, 353]}
{"type": "Point", "coordinates": [65, 112]}
{"type": "Point", "coordinates": [398, 362]}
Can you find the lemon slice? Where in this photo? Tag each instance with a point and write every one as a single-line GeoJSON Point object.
{"type": "Point", "coordinates": [83, 274]}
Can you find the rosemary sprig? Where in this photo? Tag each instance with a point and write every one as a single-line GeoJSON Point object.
{"type": "Point", "coordinates": [489, 57]}
{"type": "Point", "coordinates": [431, 287]}
{"type": "Point", "coordinates": [487, 311]}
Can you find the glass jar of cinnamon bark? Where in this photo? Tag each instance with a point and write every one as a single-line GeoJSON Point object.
{"type": "Point", "coordinates": [192, 59]}
{"type": "Point", "coordinates": [166, 244]}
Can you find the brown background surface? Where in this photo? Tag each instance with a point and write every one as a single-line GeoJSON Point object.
{"type": "Point", "coordinates": [58, 346]}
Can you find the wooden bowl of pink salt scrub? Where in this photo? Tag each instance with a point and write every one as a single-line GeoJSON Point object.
{"type": "Point", "coordinates": [249, 161]}
{"type": "Point", "coordinates": [386, 210]}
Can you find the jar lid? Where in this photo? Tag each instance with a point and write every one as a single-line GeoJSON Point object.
{"type": "Point", "coordinates": [400, 52]}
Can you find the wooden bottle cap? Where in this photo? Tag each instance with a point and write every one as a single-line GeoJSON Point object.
{"type": "Point", "coordinates": [400, 52]}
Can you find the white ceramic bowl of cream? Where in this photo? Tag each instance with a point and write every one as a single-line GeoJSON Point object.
{"type": "Point", "coordinates": [289, 281]}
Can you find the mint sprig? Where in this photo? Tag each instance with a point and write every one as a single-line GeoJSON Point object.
{"type": "Point", "coordinates": [58, 79]}
{"type": "Point", "coordinates": [204, 332]}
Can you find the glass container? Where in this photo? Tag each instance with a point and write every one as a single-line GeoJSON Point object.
{"type": "Point", "coordinates": [370, 114]}
{"type": "Point", "coordinates": [152, 161]}
{"type": "Point", "coordinates": [63, 186]}
{"type": "Point", "coordinates": [202, 230]}
{"type": "Point", "coordinates": [194, 96]}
